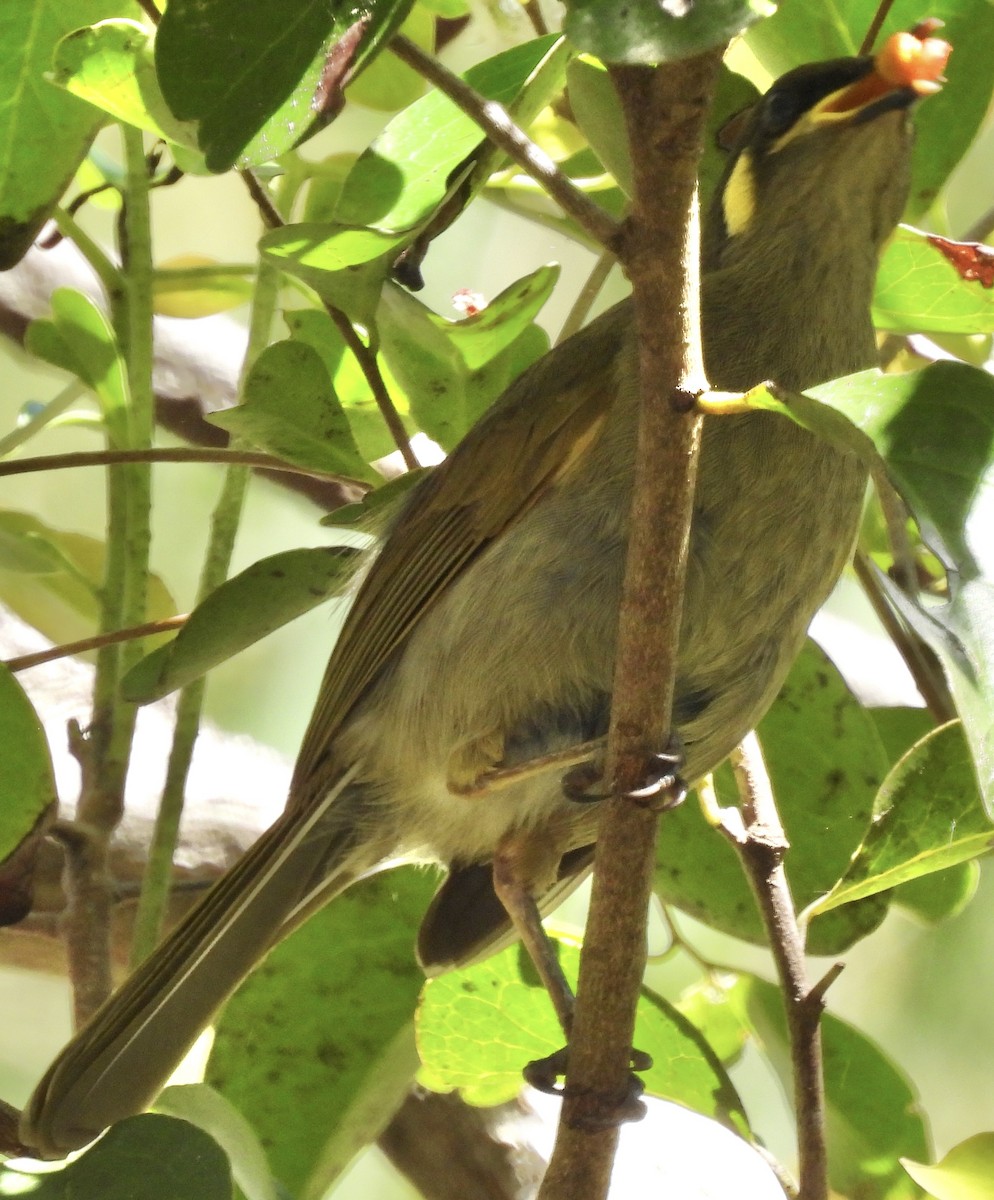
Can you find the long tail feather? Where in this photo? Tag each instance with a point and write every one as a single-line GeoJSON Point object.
{"type": "Point", "coordinates": [120, 1060]}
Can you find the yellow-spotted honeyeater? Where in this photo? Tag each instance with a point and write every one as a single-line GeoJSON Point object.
{"type": "Point", "coordinates": [482, 635]}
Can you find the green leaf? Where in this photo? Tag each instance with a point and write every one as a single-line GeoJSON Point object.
{"type": "Point", "coordinates": [365, 419]}
{"type": "Point", "coordinates": [932, 899]}
{"type": "Point", "coordinates": [938, 897]}
{"type": "Point", "coordinates": [110, 65]}
{"type": "Point", "coordinates": [27, 781]}
{"type": "Point", "coordinates": [229, 66]}
{"type": "Point", "coordinates": [251, 74]}
{"type": "Point", "coordinates": [934, 432]}
{"type": "Point", "coordinates": [152, 1156]}
{"type": "Point", "coordinates": [479, 1026]}
{"type": "Point", "coordinates": [44, 132]}
{"type": "Point", "coordinates": [408, 171]}
{"type": "Point", "coordinates": [805, 30]}
{"type": "Point", "coordinates": [290, 409]}
{"type": "Point", "coordinates": [645, 31]}
{"type": "Point", "coordinates": [873, 1116]}
{"type": "Point", "coordinates": [966, 1172]}
{"type": "Point", "coordinates": [706, 1005]}
{"type": "Point", "coordinates": [79, 339]}
{"type": "Point", "coordinates": [208, 1110]}
{"type": "Point", "coordinates": [920, 291]}
{"type": "Point", "coordinates": [353, 392]}
{"type": "Point", "coordinates": [51, 578]}
{"type": "Point", "coordinates": [249, 606]}
{"type": "Point", "coordinates": [315, 1048]}
{"type": "Point", "coordinates": [900, 728]}
{"type": "Point", "coordinates": [452, 371]}
{"type": "Point", "coordinates": [371, 510]}
{"type": "Point", "coordinates": [826, 763]}
{"type": "Point", "coordinates": [389, 84]}
{"type": "Point", "coordinates": [928, 816]}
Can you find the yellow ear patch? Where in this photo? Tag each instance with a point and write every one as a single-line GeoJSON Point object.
{"type": "Point", "coordinates": [738, 200]}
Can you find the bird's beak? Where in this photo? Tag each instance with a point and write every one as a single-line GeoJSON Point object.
{"type": "Point", "coordinates": [907, 67]}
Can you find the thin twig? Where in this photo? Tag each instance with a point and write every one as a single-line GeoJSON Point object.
{"type": "Point", "coordinates": [577, 315]}
{"type": "Point", "coordinates": [495, 123]}
{"type": "Point", "coordinates": [895, 514]}
{"type": "Point", "coordinates": [665, 111]}
{"type": "Point", "coordinates": [366, 359]}
{"type": "Point", "coordinates": [171, 454]}
{"type": "Point", "coordinates": [883, 8]}
{"type": "Point", "coordinates": [267, 209]}
{"type": "Point", "coordinates": [363, 355]}
{"type": "Point", "coordinates": [533, 11]}
{"type": "Point", "coordinates": [25, 662]}
{"type": "Point", "coordinates": [761, 851]}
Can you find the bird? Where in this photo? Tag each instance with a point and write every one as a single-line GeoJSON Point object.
{"type": "Point", "coordinates": [480, 641]}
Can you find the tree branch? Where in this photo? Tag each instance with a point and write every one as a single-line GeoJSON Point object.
{"type": "Point", "coordinates": [497, 125]}
{"type": "Point", "coordinates": [181, 454]}
{"type": "Point", "coordinates": [665, 111]}
{"type": "Point", "coordinates": [761, 845]}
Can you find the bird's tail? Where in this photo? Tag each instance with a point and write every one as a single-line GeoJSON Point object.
{"type": "Point", "coordinates": [119, 1061]}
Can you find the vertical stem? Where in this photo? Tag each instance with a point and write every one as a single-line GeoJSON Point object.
{"type": "Point", "coordinates": [762, 851]}
{"type": "Point", "coordinates": [105, 752]}
{"type": "Point", "coordinates": [154, 898]}
{"type": "Point", "coordinates": [665, 110]}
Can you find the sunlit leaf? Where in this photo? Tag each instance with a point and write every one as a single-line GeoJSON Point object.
{"type": "Point", "coordinates": [27, 782]}
{"type": "Point", "coordinates": [111, 66]}
{"type": "Point", "coordinates": [479, 1026]}
{"type": "Point", "coordinates": [928, 816]}
{"type": "Point", "coordinates": [44, 132]}
{"type": "Point", "coordinates": [290, 409]}
{"type": "Point", "coordinates": [966, 1172]}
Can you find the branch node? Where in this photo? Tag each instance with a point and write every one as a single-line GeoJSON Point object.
{"type": "Point", "coordinates": [815, 999]}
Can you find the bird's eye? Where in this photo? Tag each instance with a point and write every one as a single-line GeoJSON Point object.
{"type": "Point", "coordinates": [780, 111]}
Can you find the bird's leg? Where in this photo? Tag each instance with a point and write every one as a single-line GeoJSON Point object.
{"type": "Point", "coordinates": [663, 788]}
{"type": "Point", "coordinates": [513, 871]}
{"type": "Point", "coordinates": [514, 874]}
{"type": "Point", "coordinates": [497, 778]}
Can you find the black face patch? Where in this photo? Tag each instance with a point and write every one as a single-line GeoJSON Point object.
{"type": "Point", "coordinates": [799, 91]}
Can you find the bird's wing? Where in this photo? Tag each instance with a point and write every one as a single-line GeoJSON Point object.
{"type": "Point", "coordinates": [537, 433]}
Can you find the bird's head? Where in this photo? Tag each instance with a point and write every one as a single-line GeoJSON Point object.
{"type": "Point", "coordinates": [825, 153]}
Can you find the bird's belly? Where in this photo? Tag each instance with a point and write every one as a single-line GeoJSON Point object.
{"type": "Point", "coordinates": [516, 659]}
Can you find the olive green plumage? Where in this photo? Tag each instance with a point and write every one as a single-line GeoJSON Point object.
{"type": "Point", "coordinates": [483, 634]}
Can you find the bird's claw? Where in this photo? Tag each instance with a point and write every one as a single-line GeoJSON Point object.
{"type": "Point", "coordinates": [543, 1074]}
{"type": "Point", "coordinates": [662, 787]}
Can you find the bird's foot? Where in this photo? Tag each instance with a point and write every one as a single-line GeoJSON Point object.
{"type": "Point", "coordinates": [604, 1111]}
{"type": "Point", "coordinates": [662, 787]}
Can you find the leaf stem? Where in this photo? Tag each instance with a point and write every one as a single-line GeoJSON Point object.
{"type": "Point", "coordinates": [153, 903]}
{"type": "Point", "coordinates": [54, 408]}
{"type": "Point", "coordinates": [105, 751]}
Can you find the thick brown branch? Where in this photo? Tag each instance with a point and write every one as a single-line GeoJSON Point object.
{"type": "Point", "coordinates": [665, 111]}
